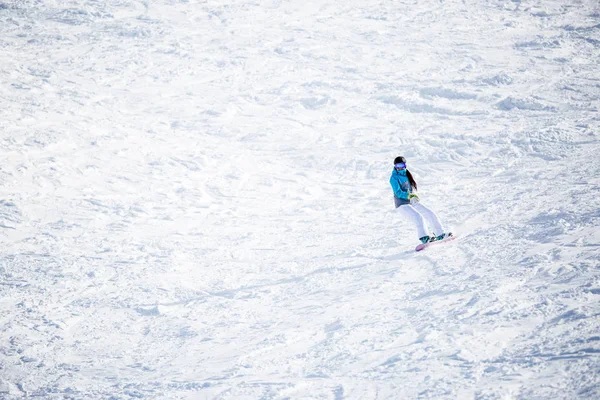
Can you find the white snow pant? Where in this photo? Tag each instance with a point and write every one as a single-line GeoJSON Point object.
{"type": "Point", "coordinates": [419, 215]}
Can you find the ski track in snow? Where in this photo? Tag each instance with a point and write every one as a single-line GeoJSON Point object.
{"type": "Point", "coordinates": [195, 199]}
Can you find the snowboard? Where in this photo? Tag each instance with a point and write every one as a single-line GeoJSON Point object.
{"type": "Point", "coordinates": [423, 246]}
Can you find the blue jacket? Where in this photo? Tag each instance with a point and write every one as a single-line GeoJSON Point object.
{"type": "Point", "coordinates": [401, 187]}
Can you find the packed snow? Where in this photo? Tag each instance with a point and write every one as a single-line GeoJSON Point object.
{"type": "Point", "coordinates": [195, 200]}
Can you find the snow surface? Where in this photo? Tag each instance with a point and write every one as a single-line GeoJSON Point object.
{"type": "Point", "coordinates": [195, 201]}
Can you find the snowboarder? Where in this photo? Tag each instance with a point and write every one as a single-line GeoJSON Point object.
{"type": "Point", "coordinates": [407, 202]}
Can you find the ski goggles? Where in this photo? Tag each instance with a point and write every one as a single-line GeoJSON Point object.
{"type": "Point", "coordinates": [400, 165]}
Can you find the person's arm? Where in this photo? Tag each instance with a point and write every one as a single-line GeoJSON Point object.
{"type": "Point", "coordinates": [397, 188]}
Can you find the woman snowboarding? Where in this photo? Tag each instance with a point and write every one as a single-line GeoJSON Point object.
{"type": "Point", "coordinates": [407, 202]}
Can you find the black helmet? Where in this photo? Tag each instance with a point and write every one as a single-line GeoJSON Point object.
{"type": "Point", "coordinates": [399, 160]}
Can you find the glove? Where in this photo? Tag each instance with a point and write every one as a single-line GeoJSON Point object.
{"type": "Point", "coordinates": [413, 198]}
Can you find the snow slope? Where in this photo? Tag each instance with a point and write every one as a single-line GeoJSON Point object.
{"type": "Point", "coordinates": [194, 199]}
